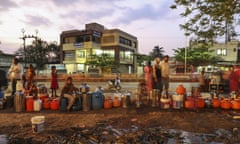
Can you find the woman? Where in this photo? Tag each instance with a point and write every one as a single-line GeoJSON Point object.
{"type": "Point", "coordinates": [69, 92]}
{"type": "Point", "coordinates": [148, 70]}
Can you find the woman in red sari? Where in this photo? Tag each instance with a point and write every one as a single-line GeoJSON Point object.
{"type": "Point", "coordinates": [148, 70]}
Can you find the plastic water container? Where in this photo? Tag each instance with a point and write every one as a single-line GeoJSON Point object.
{"type": "Point", "coordinates": [97, 100]}
{"type": "Point", "coordinates": [37, 105]}
{"type": "Point", "coordinates": [63, 104]}
{"type": "Point", "coordinates": [38, 123]}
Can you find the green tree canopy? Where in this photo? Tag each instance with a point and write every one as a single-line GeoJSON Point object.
{"type": "Point", "coordinates": [197, 55]}
{"type": "Point", "coordinates": [102, 61]}
{"type": "Point", "coordinates": [208, 19]}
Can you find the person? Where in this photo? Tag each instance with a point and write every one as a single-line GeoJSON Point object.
{"type": "Point", "coordinates": [30, 74]}
{"type": "Point", "coordinates": [54, 82]}
{"type": "Point", "coordinates": [157, 74]}
{"type": "Point", "coordinates": [16, 72]}
{"type": "Point", "coordinates": [148, 70]}
{"type": "Point", "coordinates": [234, 79]}
{"type": "Point", "coordinates": [165, 71]}
{"type": "Point", "coordinates": [202, 81]}
{"type": "Point", "coordinates": [69, 92]}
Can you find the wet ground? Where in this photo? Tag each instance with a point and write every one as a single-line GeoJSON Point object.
{"type": "Point", "coordinates": [123, 125]}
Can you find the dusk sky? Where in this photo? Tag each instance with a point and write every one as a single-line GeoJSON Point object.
{"type": "Point", "coordinates": [151, 21]}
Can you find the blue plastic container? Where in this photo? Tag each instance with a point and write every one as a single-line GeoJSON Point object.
{"type": "Point", "coordinates": [97, 100]}
{"type": "Point", "coordinates": [1, 94]}
{"type": "Point", "coordinates": [63, 104]}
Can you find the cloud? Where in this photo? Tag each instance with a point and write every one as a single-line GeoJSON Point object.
{"type": "Point", "coordinates": [5, 5]}
{"type": "Point", "coordinates": [37, 20]}
{"type": "Point", "coordinates": [63, 3]}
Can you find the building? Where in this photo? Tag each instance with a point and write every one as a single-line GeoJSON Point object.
{"type": "Point", "coordinates": [77, 47]}
{"type": "Point", "coordinates": [228, 52]}
{"type": "Point", "coordinates": [5, 61]}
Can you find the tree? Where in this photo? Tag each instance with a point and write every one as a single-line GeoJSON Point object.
{"type": "Point", "coordinates": [209, 19]}
{"type": "Point", "coordinates": [141, 58]}
{"type": "Point", "coordinates": [39, 53]}
{"type": "Point", "coordinates": [102, 61]}
{"type": "Point", "coordinates": [156, 52]}
{"type": "Point", "coordinates": [196, 55]}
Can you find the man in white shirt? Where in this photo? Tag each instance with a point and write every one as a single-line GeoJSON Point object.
{"type": "Point", "coordinates": [165, 70]}
{"type": "Point", "coordinates": [15, 72]}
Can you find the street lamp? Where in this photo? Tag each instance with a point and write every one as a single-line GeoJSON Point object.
{"type": "Point", "coordinates": [24, 37]}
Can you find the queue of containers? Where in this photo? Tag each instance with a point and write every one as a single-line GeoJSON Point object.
{"type": "Point", "coordinates": [87, 100]}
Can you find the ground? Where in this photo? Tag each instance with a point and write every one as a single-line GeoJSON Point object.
{"type": "Point", "coordinates": [59, 124]}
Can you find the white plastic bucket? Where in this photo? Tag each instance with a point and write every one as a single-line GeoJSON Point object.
{"type": "Point", "coordinates": [38, 123]}
{"type": "Point", "coordinates": [177, 101]}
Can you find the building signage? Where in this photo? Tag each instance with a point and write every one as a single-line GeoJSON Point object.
{"type": "Point", "coordinates": [96, 34]}
{"type": "Point", "coordinates": [78, 45]}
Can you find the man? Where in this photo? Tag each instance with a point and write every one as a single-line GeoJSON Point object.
{"type": "Point", "coordinates": [69, 92]}
{"type": "Point", "coordinates": [165, 70]}
{"type": "Point", "coordinates": [16, 72]}
{"type": "Point", "coordinates": [157, 74]}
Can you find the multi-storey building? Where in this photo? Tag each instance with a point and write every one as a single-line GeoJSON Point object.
{"type": "Point", "coordinates": [77, 46]}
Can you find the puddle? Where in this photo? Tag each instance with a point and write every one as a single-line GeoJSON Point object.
{"type": "Point", "coordinates": [3, 139]}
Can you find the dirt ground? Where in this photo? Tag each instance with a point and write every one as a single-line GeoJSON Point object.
{"type": "Point", "coordinates": [207, 120]}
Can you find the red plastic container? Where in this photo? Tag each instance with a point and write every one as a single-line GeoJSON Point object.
{"type": "Point", "coordinates": [54, 104]}
{"type": "Point", "coordinates": [29, 104]}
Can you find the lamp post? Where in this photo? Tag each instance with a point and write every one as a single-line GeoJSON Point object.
{"type": "Point", "coordinates": [24, 37]}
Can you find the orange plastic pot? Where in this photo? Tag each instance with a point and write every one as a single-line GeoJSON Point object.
{"type": "Point", "coordinates": [215, 103]}
{"type": "Point", "coordinates": [189, 104]}
{"type": "Point", "coordinates": [225, 104]}
{"type": "Point", "coordinates": [236, 104]}
{"type": "Point", "coordinates": [200, 103]}
{"type": "Point", "coordinates": [116, 102]}
{"type": "Point", "coordinates": [108, 103]}
{"type": "Point", "coordinates": [180, 89]}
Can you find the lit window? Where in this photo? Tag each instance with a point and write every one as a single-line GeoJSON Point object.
{"type": "Point", "coordinates": [222, 52]}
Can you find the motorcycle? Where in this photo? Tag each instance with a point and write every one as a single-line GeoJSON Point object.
{"type": "Point", "coordinates": [116, 84]}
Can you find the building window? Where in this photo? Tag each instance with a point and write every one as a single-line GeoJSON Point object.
{"type": "Point", "coordinates": [222, 51]}
{"type": "Point", "coordinates": [69, 55]}
{"type": "Point", "coordinates": [125, 41]}
{"type": "Point", "coordinates": [109, 52]}
{"type": "Point", "coordinates": [87, 38]}
{"type": "Point", "coordinates": [81, 54]}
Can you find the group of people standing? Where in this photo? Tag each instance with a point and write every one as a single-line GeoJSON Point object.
{"type": "Point", "coordinates": [17, 74]}
{"type": "Point", "coordinates": [157, 75]}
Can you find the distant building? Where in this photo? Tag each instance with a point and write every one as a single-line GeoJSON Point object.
{"type": "Point", "coordinates": [5, 61]}
{"type": "Point", "coordinates": [77, 46]}
{"type": "Point", "coordinates": [229, 52]}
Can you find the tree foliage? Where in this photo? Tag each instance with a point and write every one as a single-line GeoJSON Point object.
{"type": "Point", "coordinates": [141, 58]}
{"type": "Point", "coordinates": [156, 52]}
{"type": "Point", "coordinates": [208, 19]}
{"type": "Point", "coordinates": [101, 61]}
{"type": "Point", "coordinates": [197, 55]}
{"type": "Point", "coordinates": [39, 53]}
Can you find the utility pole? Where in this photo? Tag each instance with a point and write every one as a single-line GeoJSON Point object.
{"type": "Point", "coordinates": [24, 37]}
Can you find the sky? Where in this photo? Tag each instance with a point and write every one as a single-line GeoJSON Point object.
{"type": "Point", "coordinates": [151, 21]}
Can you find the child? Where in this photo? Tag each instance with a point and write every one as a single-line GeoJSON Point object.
{"type": "Point", "coordinates": [54, 82]}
